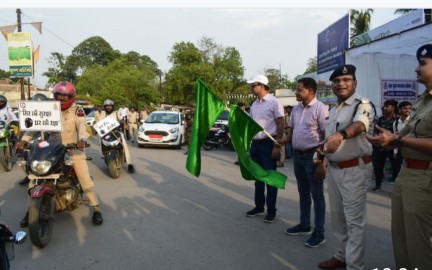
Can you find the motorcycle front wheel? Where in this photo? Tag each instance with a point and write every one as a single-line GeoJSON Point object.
{"type": "Point", "coordinates": [6, 158]}
{"type": "Point", "coordinates": [41, 221]}
{"type": "Point", "coordinates": [207, 147]}
{"type": "Point", "coordinates": [114, 168]}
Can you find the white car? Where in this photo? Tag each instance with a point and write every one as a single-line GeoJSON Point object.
{"type": "Point", "coordinates": [90, 119]}
{"type": "Point", "coordinates": [162, 128]}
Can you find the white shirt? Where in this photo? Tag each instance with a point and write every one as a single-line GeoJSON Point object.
{"type": "Point", "coordinates": [7, 115]}
{"type": "Point", "coordinates": [123, 112]}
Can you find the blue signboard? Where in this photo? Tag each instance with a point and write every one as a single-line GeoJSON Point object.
{"type": "Point", "coordinates": [332, 42]}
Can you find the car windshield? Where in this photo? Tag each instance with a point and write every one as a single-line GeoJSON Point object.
{"type": "Point", "coordinates": [91, 114]}
{"type": "Point", "coordinates": [224, 115]}
{"type": "Point", "coordinates": [165, 118]}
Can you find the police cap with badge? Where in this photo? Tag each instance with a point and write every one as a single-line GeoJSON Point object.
{"type": "Point", "coordinates": [342, 71]}
{"type": "Point", "coordinates": [424, 51]}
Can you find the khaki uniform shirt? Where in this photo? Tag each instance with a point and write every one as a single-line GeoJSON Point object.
{"type": "Point", "coordinates": [99, 116]}
{"type": "Point", "coordinates": [340, 116]}
{"type": "Point", "coordinates": [419, 125]}
{"type": "Point", "coordinates": [133, 117]}
{"type": "Point", "coordinates": [73, 125]}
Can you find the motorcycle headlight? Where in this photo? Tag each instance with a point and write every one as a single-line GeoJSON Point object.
{"type": "Point", "coordinates": [2, 133]}
{"type": "Point", "coordinates": [110, 144]}
{"type": "Point", "coordinates": [40, 167]}
{"type": "Point", "coordinates": [174, 130]}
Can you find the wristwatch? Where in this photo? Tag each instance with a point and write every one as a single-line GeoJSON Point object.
{"type": "Point", "coordinates": [344, 134]}
{"type": "Point", "coordinates": [84, 139]}
{"type": "Point", "coordinates": [399, 141]}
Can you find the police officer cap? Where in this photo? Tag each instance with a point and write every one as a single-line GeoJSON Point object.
{"type": "Point", "coordinates": [342, 71]}
{"type": "Point", "coordinates": [424, 51]}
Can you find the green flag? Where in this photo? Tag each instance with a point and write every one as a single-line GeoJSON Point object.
{"type": "Point", "coordinates": [242, 130]}
{"type": "Point", "coordinates": [207, 110]}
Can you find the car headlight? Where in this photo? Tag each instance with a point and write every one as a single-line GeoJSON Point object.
{"type": "Point", "coordinates": [141, 129]}
{"type": "Point", "coordinates": [40, 167]}
{"type": "Point", "coordinates": [174, 130]}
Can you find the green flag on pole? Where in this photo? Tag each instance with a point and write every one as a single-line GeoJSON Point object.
{"type": "Point", "coordinates": [242, 130]}
{"type": "Point", "coordinates": [207, 110]}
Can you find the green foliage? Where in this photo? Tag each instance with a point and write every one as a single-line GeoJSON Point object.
{"type": "Point", "coordinates": [120, 82]}
{"type": "Point", "coordinates": [312, 65]}
{"type": "Point", "coordinates": [360, 22]}
{"type": "Point", "coordinates": [219, 67]}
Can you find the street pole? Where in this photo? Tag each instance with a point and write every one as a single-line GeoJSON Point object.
{"type": "Point", "coordinates": [18, 11]}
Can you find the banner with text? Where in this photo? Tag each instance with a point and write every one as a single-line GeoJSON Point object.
{"type": "Point", "coordinates": [105, 125]}
{"type": "Point", "coordinates": [40, 116]}
{"type": "Point", "coordinates": [399, 90]}
{"type": "Point", "coordinates": [332, 42]}
{"type": "Point", "coordinates": [20, 53]}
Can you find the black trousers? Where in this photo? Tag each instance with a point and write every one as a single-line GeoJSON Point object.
{"type": "Point", "coordinates": [379, 158]}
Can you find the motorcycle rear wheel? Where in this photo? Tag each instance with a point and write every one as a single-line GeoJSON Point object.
{"type": "Point", "coordinates": [6, 158]}
{"type": "Point", "coordinates": [207, 147]}
{"type": "Point", "coordinates": [41, 221]}
{"type": "Point", "coordinates": [114, 168]}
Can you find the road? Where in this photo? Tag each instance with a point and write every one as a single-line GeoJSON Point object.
{"type": "Point", "coordinates": [161, 217]}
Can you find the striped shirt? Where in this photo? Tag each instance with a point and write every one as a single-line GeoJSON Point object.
{"type": "Point", "coordinates": [308, 123]}
{"type": "Point", "coordinates": [264, 111]}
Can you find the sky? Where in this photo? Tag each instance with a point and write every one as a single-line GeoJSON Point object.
{"type": "Point", "coordinates": [280, 37]}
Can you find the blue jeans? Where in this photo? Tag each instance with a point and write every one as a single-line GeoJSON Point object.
{"type": "Point", "coordinates": [288, 151]}
{"type": "Point", "coordinates": [307, 185]}
{"type": "Point", "coordinates": [261, 153]}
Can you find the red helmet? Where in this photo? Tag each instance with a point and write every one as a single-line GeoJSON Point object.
{"type": "Point", "coordinates": [65, 88]}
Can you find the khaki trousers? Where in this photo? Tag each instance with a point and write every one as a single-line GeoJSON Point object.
{"type": "Point", "coordinates": [347, 190]}
{"type": "Point", "coordinates": [133, 131]}
{"type": "Point", "coordinates": [82, 172]}
{"type": "Point", "coordinates": [412, 219]}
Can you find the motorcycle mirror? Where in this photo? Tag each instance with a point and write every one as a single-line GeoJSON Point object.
{"type": "Point", "coordinates": [20, 237]}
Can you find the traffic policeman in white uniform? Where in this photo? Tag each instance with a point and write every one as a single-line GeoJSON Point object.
{"type": "Point", "coordinates": [349, 169]}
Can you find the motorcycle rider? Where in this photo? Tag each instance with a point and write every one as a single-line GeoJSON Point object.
{"type": "Point", "coordinates": [6, 113]}
{"type": "Point", "coordinates": [109, 107]}
{"type": "Point", "coordinates": [74, 131]}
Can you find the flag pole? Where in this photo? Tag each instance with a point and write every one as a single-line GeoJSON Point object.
{"type": "Point", "coordinates": [270, 136]}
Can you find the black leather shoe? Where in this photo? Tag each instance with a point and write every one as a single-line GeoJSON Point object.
{"type": "Point", "coordinates": [24, 222]}
{"type": "Point", "coordinates": [131, 168]}
{"type": "Point", "coordinates": [24, 182]}
{"type": "Point", "coordinates": [97, 218]}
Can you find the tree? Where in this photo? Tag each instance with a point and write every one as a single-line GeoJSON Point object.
{"type": "Point", "coordinates": [220, 67]}
{"type": "Point", "coordinates": [360, 22]}
{"type": "Point", "coordinates": [312, 65]}
{"type": "Point", "coordinates": [403, 11]}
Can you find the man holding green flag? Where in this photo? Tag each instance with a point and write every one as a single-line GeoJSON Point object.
{"type": "Point", "coordinates": [268, 112]}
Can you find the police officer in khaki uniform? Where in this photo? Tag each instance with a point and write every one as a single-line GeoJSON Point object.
{"type": "Point", "coordinates": [74, 131]}
{"type": "Point", "coordinates": [133, 118]}
{"type": "Point", "coordinates": [189, 117]}
{"type": "Point", "coordinates": [110, 111]}
{"type": "Point", "coordinates": [349, 169]}
{"type": "Point", "coordinates": [411, 222]}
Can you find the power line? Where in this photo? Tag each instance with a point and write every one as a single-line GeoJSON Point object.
{"type": "Point", "coordinates": [52, 33]}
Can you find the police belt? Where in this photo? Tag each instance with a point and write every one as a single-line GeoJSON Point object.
{"type": "Point", "coordinates": [351, 163]}
{"type": "Point", "coordinates": [132, 123]}
{"type": "Point", "coordinates": [417, 164]}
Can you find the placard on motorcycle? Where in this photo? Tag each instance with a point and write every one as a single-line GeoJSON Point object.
{"type": "Point", "coordinates": [105, 125]}
{"type": "Point", "coordinates": [40, 116]}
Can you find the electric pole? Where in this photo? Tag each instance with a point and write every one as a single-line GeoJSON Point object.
{"type": "Point", "coordinates": [18, 11]}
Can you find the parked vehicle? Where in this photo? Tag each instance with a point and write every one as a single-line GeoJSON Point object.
{"type": "Point", "coordinates": [56, 188]}
{"type": "Point", "coordinates": [162, 128]}
{"type": "Point", "coordinates": [218, 136]}
{"type": "Point", "coordinates": [7, 144]}
{"type": "Point", "coordinates": [113, 152]}
{"type": "Point", "coordinates": [7, 242]}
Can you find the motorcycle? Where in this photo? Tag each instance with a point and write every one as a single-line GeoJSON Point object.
{"type": "Point", "coordinates": [56, 187]}
{"type": "Point", "coordinates": [7, 144]}
{"type": "Point", "coordinates": [7, 241]}
{"type": "Point", "coordinates": [218, 136]}
{"type": "Point", "coordinates": [113, 153]}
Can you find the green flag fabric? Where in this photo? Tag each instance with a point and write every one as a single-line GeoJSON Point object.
{"type": "Point", "coordinates": [242, 130]}
{"type": "Point", "coordinates": [207, 110]}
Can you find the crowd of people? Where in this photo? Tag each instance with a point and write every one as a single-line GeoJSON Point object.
{"type": "Point", "coordinates": [346, 145]}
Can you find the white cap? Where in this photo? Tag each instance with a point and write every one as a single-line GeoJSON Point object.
{"type": "Point", "coordinates": [260, 79]}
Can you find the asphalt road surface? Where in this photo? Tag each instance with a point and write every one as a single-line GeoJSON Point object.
{"type": "Point", "coordinates": [161, 217]}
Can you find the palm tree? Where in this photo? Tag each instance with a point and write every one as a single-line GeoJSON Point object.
{"type": "Point", "coordinates": [360, 22]}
